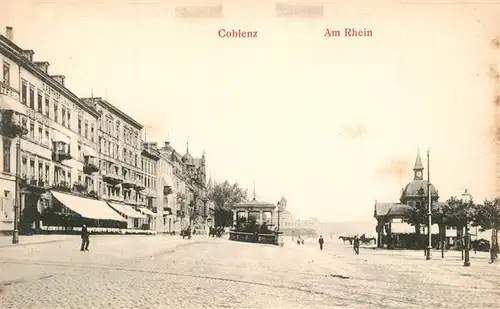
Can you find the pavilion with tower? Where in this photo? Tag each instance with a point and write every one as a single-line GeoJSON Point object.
{"type": "Point", "coordinates": [390, 215]}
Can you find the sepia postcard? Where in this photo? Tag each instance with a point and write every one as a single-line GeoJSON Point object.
{"type": "Point", "coordinates": [249, 154]}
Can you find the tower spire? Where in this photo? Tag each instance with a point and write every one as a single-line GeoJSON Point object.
{"type": "Point", "coordinates": [187, 145]}
{"type": "Point", "coordinates": [418, 168]}
{"type": "Point", "coordinates": [254, 190]}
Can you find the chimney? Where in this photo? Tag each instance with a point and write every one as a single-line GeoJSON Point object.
{"type": "Point", "coordinates": [167, 144]}
{"type": "Point", "coordinates": [59, 79]}
{"type": "Point", "coordinates": [43, 65]}
{"type": "Point", "coordinates": [9, 33]}
{"type": "Point", "coordinates": [28, 54]}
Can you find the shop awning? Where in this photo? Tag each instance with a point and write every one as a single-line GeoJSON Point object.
{"type": "Point", "coordinates": [127, 210]}
{"type": "Point", "coordinates": [147, 211]}
{"type": "Point", "coordinates": [59, 137]}
{"type": "Point", "coordinates": [88, 208]}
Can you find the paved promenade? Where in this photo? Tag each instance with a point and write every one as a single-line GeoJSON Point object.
{"type": "Point", "coordinates": [169, 272]}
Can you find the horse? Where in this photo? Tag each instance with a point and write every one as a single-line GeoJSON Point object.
{"type": "Point", "coordinates": [346, 238]}
{"type": "Point", "coordinates": [186, 233]}
{"type": "Point", "coordinates": [364, 239]}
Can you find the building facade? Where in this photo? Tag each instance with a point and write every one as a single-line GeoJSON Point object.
{"type": "Point", "coordinates": [88, 151]}
{"type": "Point", "coordinates": [188, 206]}
{"type": "Point", "coordinates": [288, 222]}
{"type": "Point", "coordinates": [55, 152]}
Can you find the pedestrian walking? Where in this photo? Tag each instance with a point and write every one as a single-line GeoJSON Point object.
{"type": "Point", "coordinates": [356, 245]}
{"type": "Point", "coordinates": [85, 239]}
{"type": "Point", "coordinates": [321, 241]}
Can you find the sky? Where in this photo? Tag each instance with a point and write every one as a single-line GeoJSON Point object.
{"type": "Point", "coordinates": [331, 124]}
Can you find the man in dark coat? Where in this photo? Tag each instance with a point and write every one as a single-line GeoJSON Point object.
{"type": "Point", "coordinates": [321, 241]}
{"type": "Point", "coordinates": [356, 244]}
{"type": "Point", "coordinates": [85, 239]}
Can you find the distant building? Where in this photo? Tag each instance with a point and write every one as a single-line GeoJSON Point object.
{"type": "Point", "coordinates": [288, 222]}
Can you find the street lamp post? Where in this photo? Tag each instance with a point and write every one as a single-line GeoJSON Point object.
{"type": "Point", "coordinates": [17, 199]}
{"type": "Point", "coordinates": [466, 197]}
{"type": "Point", "coordinates": [279, 211]}
{"type": "Point", "coordinates": [429, 213]}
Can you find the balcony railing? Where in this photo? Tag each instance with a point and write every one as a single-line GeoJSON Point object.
{"type": "Point", "coordinates": [151, 153]}
{"type": "Point", "coordinates": [128, 182]}
{"type": "Point", "coordinates": [10, 125]}
{"type": "Point", "coordinates": [167, 190]}
{"type": "Point", "coordinates": [61, 152]}
{"type": "Point", "coordinates": [139, 185]}
{"type": "Point", "coordinates": [80, 187]}
{"type": "Point", "coordinates": [32, 184]}
{"type": "Point", "coordinates": [112, 178]}
{"type": "Point", "coordinates": [91, 165]}
{"type": "Point", "coordinates": [61, 186]}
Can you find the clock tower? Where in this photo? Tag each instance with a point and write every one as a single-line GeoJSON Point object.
{"type": "Point", "coordinates": [418, 169]}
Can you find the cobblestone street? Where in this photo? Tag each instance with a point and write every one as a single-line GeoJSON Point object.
{"type": "Point", "coordinates": [168, 272]}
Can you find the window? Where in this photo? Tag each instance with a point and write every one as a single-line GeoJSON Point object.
{"type": "Point", "coordinates": [40, 134]}
{"type": "Point", "coordinates": [47, 173]}
{"type": "Point", "coordinates": [32, 97]}
{"type": "Point", "coordinates": [56, 116]}
{"type": "Point", "coordinates": [69, 119]}
{"type": "Point", "coordinates": [40, 102]}
{"type": "Point", "coordinates": [63, 116]}
{"type": "Point", "coordinates": [40, 171]}
{"type": "Point", "coordinates": [92, 132]}
{"type": "Point", "coordinates": [7, 143]}
{"type": "Point", "coordinates": [24, 123]}
{"type": "Point", "coordinates": [80, 126]}
{"type": "Point", "coordinates": [32, 168]}
{"type": "Point", "coordinates": [86, 132]}
{"type": "Point", "coordinates": [24, 167]}
{"type": "Point", "coordinates": [24, 92]}
{"type": "Point", "coordinates": [79, 152]}
{"type": "Point", "coordinates": [47, 138]}
{"type": "Point", "coordinates": [6, 73]}
{"type": "Point", "coordinates": [47, 106]}
{"type": "Point", "coordinates": [69, 178]}
{"type": "Point", "coordinates": [32, 131]}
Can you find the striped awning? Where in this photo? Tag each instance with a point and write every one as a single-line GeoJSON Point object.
{"type": "Point", "coordinates": [146, 211]}
{"type": "Point", "coordinates": [88, 208]}
{"type": "Point", "coordinates": [59, 137]}
{"type": "Point", "coordinates": [127, 210]}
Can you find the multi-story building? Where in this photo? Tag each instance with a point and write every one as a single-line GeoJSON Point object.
{"type": "Point", "coordinates": [166, 197]}
{"type": "Point", "coordinates": [56, 150]}
{"type": "Point", "coordinates": [188, 183]}
{"type": "Point", "coordinates": [121, 179]}
{"type": "Point", "coordinates": [149, 159]}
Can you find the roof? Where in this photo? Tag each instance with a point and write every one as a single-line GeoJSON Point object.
{"type": "Point", "coordinates": [254, 204]}
{"type": "Point", "coordinates": [418, 163]}
{"type": "Point", "coordinates": [88, 208]}
{"type": "Point", "coordinates": [398, 209]}
{"type": "Point", "coordinates": [412, 188]}
{"type": "Point", "coordinates": [115, 110]}
{"type": "Point", "coordinates": [11, 50]}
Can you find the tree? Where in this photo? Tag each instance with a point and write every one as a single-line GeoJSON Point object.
{"type": "Point", "coordinates": [224, 196]}
{"type": "Point", "coordinates": [487, 216]}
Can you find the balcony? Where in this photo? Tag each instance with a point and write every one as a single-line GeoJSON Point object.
{"type": "Point", "coordinates": [81, 188]}
{"type": "Point", "coordinates": [33, 185]}
{"type": "Point", "coordinates": [62, 186]}
{"type": "Point", "coordinates": [130, 202]}
{"type": "Point", "coordinates": [61, 151]}
{"type": "Point", "coordinates": [151, 153]}
{"type": "Point", "coordinates": [10, 125]}
{"type": "Point", "coordinates": [112, 178]}
{"type": "Point", "coordinates": [91, 164]}
{"type": "Point", "coordinates": [115, 198]}
{"type": "Point", "coordinates": [167, 190]}
{"type": "Point", "coordinates": [128, 182]}
{"type": "Point", "coordinates": [151, 193]}
{"type": "Point", "coordinates": [139, 185]}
